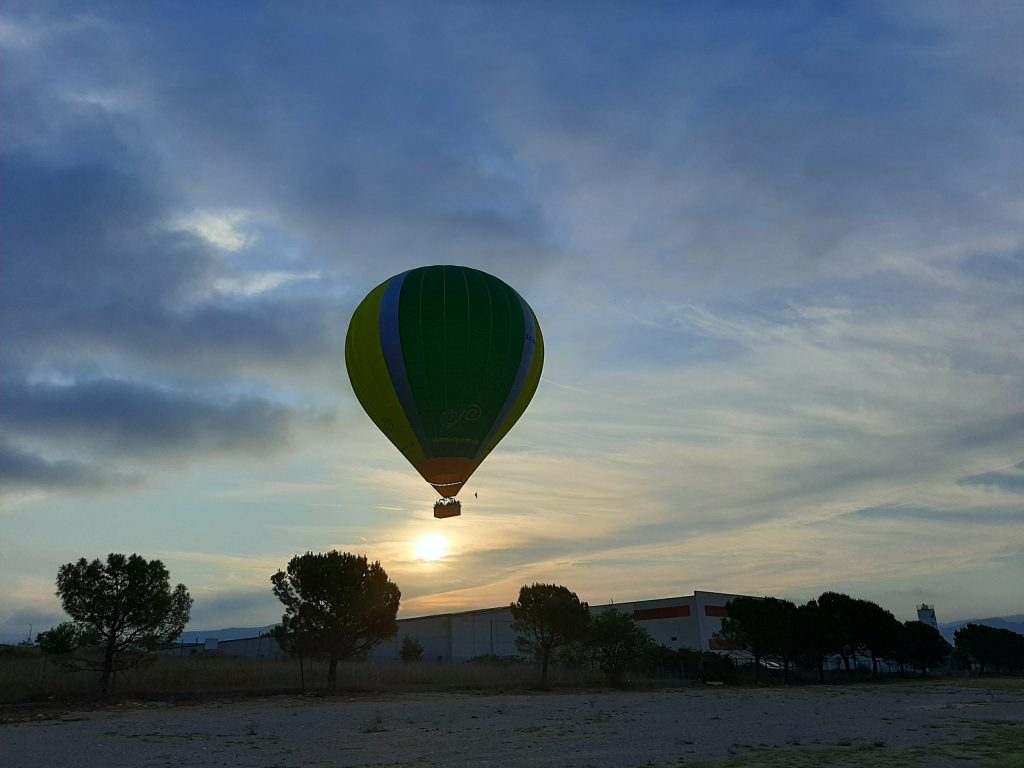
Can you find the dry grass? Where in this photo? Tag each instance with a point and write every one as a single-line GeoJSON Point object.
{"type": "Point", "coordinates": [992, 745]}
{"type": "Point", "coordinates": [32, 677]}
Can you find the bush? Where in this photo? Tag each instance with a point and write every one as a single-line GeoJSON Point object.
{"type": "Point", "coordinates": [707, 666]}
{"type": "Point", "coordinates": [494, 660]}
{"type": "Point", "coordinates": [618, 644]}
{"type": "Point", "coordinates": [411, 650]}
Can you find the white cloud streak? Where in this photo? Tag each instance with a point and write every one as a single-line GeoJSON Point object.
{"type": "Point", "coordinates": [224, 229]}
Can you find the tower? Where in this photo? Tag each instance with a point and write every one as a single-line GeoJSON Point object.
{"type": "Point", "coordinates": [926, 615]}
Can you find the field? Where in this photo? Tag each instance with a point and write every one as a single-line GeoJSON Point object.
{"type": "Point", "coordinates": [28, 677]}
{"type": "Point", "coordinates": [939, 723]}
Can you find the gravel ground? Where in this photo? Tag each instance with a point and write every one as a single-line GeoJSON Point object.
{"type": "Point", "coordinates": [935, 724]}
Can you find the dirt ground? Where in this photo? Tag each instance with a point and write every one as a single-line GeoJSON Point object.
{"type": "Point", "coordinates": [934, 724]}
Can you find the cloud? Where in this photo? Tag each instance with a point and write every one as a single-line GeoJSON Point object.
{"type": "Point", "coordinates": [221, 229]}
{"type": "Point", "coordinates": [255, 284]}
{"type": "Point", "coordinates": [87, 276]}
{"type": "Point", "coordinates": [1010, 480]}
{"type": "Point", "coordinates": [22, 470]}
{"type": "Point", "coordinates": [787, 154]}
{"type": "Point", "coordinates": [956, 518]}
{"type": "Point", "coordinates": [235, 608]}
{"type": "Point", "coordinates": [123, 420]}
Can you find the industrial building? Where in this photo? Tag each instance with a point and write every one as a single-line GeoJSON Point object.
{"type": "Point", "coordinates": [451, 638]}
{"type": "Point", "coordinates": [675, 622]}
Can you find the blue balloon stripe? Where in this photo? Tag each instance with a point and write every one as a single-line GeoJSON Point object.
{"type": "Point", "coordinates": [391, 344]}
{"type": "Point", "coordinates": [525, 363]}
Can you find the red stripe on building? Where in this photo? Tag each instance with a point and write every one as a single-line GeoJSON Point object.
{"type": "Point", "coordinates": [669, 612]}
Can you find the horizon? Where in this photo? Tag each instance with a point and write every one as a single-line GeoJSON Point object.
{"type": "Point", "coordinates": [776, 254]}
{"type": "Point", "coordinates": [11, 639]}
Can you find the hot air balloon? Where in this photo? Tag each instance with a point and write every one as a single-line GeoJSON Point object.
{"type": "Point", "coordinates": [444, 360]}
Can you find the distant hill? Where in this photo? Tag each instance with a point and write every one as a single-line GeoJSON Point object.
{"type": "Point", "coordinates": [230, 633]}
{"type": "Point", "coordinates": [1013, 623]}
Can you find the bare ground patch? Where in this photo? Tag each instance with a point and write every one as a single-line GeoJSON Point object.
{"type": "Point", "coordinates": [936, 725]}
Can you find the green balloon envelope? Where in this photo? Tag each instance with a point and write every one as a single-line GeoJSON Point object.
{"type": "Point", "coordinates": [444, 360]}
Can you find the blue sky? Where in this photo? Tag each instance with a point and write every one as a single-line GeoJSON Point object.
{"type": "Point", "coordinates": [776, 249]}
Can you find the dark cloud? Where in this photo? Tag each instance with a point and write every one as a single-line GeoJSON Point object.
{"type": "Point", "coordinates": [103, 293]}
{"type": "Point", "coordinates": [1011, 480]}
{"type": "Point", "coordinates": [90, 267]}
{"type": "Point", "coordinates": [21, 470]}
{"type": "Point", "coordinates": [132, 419]}
{"type": "Point", "coordinates": [1002, 430]}
{"type": "Point", "coordinates": [359, 131]}
{"type": "Point", "coordinates": [79, 260]}
{"type": "Point", "coordinates": [961, 517]}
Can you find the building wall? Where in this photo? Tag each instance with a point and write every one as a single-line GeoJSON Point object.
{"type": "Point", "coordinates": [671, 621]}
{"type": "Point", "coordinates": [675, 622]}
{"type": "Point", "coordinates": [483, 633]}
{"type": "Point", "coordinates": [432, 632]}
{"type": "Point", "coordinates": [454, 637]}
{"type": "Point", "coordinates": [679, 622]}
{"type": "Point", "coordinates": [264, 647]}
{"type": "Point", "coordinates": [252, 648]}
{"type": "Point", "coordinates": [710, 612]}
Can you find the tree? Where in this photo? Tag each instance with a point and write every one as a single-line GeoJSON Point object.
{"type": "Point", "coordinates": [922, 644]}
{"type": "Point", "coordinates": [617, 641]}
{"type": "Point", "coordinates": [411, 650]}
{"type": "Point", "coordinates": [548, 616]}
{"type": "Point", "coordinates": [293, 642]}
{"type": "Point", "coordinates": [877, 629]}
{"type": "Point", "coordinates": [337, 604]}
{"type": "Point", "coordinates": [760, 626]}
{"type": "Point", "coordinates": [742, 629]}
{"type": "Point", "coordinates": [61, 640]}
{"type": "Point", "coordinates": [783, 639]}
{"type": "Point", "coordinates": [817, 634]}
{"type": "Point", "coordinates": [844, 614]}
{"type": "Point", "coordinates": [126, 607]}
{"type": "Point", "coordinates": [975, 641]}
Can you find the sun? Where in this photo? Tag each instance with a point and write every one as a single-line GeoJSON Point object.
{"type": "Point", "coordinates": [433, 546]}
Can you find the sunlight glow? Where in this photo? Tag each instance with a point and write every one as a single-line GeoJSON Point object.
{"type": "Point", "coordinates": [433, 546]}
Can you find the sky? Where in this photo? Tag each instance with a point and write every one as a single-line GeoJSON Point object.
{"type": "Point", "coordinates": [776, 251]}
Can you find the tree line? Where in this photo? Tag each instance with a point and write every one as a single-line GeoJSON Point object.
{"type": "Point", "coordinates": [1000, 650]}
{"type": "Point", "coordinates": [340, 606]}
{"type": "Point", "coordinates": [832, 626]}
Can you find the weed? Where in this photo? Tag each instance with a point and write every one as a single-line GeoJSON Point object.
{"type": "Point", "coordinates": [529, 729]}
{"type": "Point", "coordinates": [376, 725]}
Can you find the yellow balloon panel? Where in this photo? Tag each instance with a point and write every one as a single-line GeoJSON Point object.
{"type": "Point", "coordinates": [368, 372]}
